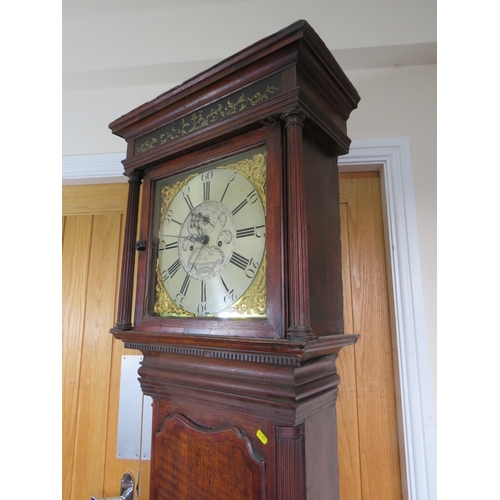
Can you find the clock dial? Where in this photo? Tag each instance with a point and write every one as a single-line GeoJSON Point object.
{"type": "Point", "coordinates": [211, 241]}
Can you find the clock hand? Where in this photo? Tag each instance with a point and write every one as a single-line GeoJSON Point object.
{"type": "Point", "coordinates": [196, 260]}
{"type": "Point", "coordinates": [200, 239]}
{"type": "Point", "coordinates": [176, 236]}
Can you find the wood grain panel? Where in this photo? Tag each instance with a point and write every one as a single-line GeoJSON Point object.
{"type": "Point", "coordinates": [378, 470]}
{"type": "Point", "coordinates": [75, 249]}
{"type": "Point", "coordinates": [94, 386]}
{"type": "Point", "coordinates": [91, 356]}
{"type": "Point", "coordinates": [320, 431]}
{"type": "Point", "coordinates": [94, 198]}
{"type": "Point", "coordinates": [347, 403]}
{"type": "Point", "coordinates": [195, 463]}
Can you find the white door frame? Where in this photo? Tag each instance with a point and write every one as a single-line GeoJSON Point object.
{"type": "Point", "coordinates": [391, 157]}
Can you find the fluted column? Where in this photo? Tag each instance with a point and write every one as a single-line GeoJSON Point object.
{"type": "Point", "coordinates": [298, 275]}
{"type": "Point", "coordinates": [290, 476]}
{"type": "Point", "coordinates": [124, 318]}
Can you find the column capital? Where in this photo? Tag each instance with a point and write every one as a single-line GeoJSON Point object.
{"type": "Point", "coordinates": [135, 176]}
{"type": "Point", "coordinates": [295, 117]}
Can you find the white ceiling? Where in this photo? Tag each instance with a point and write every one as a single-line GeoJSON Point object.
{"type": "Point", "coordinates": [131, 43]}
{"type": "Point", "coordinates": [77, 9]}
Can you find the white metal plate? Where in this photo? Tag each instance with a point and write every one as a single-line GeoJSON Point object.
{"type": "Point", "coordinates": [134, 414]}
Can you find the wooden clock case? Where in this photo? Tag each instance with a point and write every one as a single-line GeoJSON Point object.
{"type": "Point", "coordinates": [245, 409]}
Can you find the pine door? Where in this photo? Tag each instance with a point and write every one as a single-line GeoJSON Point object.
{"type": "Point", "coordinates": [93, 220]}
{"type": "Point", "coordinates": [369, 466]}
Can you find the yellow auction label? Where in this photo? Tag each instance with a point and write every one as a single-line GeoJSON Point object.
{"type": "Point", "coordinates": [262, 436]}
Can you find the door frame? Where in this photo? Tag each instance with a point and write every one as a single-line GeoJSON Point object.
{"type": "Point", "coordinates": [391, 157]}
{"type": "Point", "coordinates": [414, 392]}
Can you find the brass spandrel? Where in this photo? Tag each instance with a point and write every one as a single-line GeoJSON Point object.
{"type": "Point", "coordinates": [254, 170]}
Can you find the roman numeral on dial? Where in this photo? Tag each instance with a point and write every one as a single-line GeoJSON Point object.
{"type": "Point", "coordinates": [243, 233]}
{"type": "Point", "coordinates": [170, 246]}
{"type": "Point", "coordinates": [240, 206]}
{"type": "Point", "coordinates": [248, 231]}
{"type": "Point", "coordinates": [224, 283]}
{"type": "Point", "coordinates": [185, 285]}
{"type": "Point", "coordinates": [206, 191]}
{"type": "Point", "coordinates": [187, 199]}
{"type": "Point", "coordinates": [239, 261]}
{"type": "Point", "coordinates": [203, 291]}
{"type": "Point", "coordinates": [174, 268]}
{"type": "Point", "coordinates": [224, 193]}
{"type": "Point", "coordinates": [230, 297]}
{"type": "Point", "coordinates": [203, 305]}
{"type": "Point", "coordinates": [251, 197]}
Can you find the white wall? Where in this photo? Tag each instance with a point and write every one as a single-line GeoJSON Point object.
{"type": "Point", "coordinates": [120, 34]}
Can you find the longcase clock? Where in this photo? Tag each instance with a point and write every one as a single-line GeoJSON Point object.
{"type": "Point", "coordinates": [238, 298]}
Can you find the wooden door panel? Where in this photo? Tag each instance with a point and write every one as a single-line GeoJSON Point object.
{"type": "Point", "coordinates": [76, 245]}
{"type": "Point", "coordinates": [93, 219]}
{"type": "Point", "coordinates": [368, 436]}
{"type": "Point", "coordinates": [90, 444]}
{"type": "Point", "coordinates": [196, 462]}
{"type": "Point", "coordinates": [347, 404]}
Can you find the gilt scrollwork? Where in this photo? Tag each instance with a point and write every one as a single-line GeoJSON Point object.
{"type": "Point", "coordinates": [206, 116]}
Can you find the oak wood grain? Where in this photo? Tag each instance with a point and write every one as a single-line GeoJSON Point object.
{"type": "Point", "coordinates": [92, 199]}
{"type": "Point", "coordinates": [347, 403]}
{"type": "Point", "coordinates": [92, 235]}
{"type": "Point", "coordinates": [368, 433]}
{"type": "Point", "coordinates": [93, 390]}
{"type": "Point", "coordinates": [75, 249]}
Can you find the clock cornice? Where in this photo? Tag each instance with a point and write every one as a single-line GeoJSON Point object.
{"type": "Point", "coordinates": [295, 55]}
